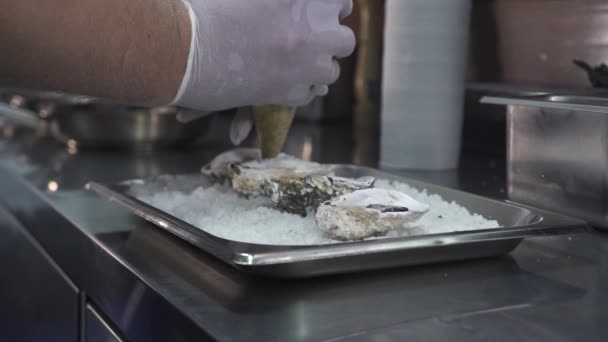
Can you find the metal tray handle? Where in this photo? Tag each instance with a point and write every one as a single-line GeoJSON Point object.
{"type": "Point", "coordinates": [573, 103]}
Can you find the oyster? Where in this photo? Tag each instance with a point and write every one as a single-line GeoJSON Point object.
{"type": "Point", "coordinates": [297, 196]}
{"type": "Point", "coordinates": [272, 123]}
{"type": "Point", "coordinates": [366, 213]}
{"type": "Point", "coordinates": [293, 185]}
{"type": "Point", "coordinates": [250, 178]}
{"type": "Point", "coordinates": [219, 167]}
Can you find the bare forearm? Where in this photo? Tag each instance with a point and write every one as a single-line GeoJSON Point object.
{"type": "Point", "coordinates": [132, 51]}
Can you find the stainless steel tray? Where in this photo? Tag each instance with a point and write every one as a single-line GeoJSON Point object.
{"type": "Point", "coordinates": [518, 222]}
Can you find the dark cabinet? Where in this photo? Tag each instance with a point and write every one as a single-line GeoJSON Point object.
{"type": "Point", "coordinates": [97, 329]}
{"type": "Point", "coordinates": [37, 301]}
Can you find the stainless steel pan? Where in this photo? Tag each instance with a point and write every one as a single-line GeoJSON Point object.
{"type": "Point", "coordinates": [518, 222]}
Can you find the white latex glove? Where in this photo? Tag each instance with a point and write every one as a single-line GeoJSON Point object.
{"type": "Point", "coordinates": [255, 52]}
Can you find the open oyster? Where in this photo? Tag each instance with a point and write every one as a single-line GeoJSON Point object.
{"type": "Point", "coordinates": [294, 186]}
{"type": "Point", "coordinates": [366, 213]}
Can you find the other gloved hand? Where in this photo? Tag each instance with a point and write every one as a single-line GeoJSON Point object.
{"type": "Point", "coordinates": [256, 52]}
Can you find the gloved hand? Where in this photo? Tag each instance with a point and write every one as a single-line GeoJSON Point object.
{"type": "Point", "coordinates": [255, 52]}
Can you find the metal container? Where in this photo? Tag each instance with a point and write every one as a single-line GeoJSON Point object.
{"type": "Point", "coordinates": [518, 222]}
{"type": "Point", "coordinates": [558, 153]}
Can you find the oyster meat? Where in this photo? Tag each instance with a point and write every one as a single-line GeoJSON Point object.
{"type": "Point", "coordinates": [367, 213]}
{"type": "Point", "coordinates": [293, 185]}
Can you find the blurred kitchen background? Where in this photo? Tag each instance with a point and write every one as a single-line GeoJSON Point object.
{"type": "Point", "coordinates": [540, 138]}
{"type": "Point", "coordinates": [516, 46]}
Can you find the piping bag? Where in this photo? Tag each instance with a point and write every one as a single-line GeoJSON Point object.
{"type": "Point", "coordinates": [272, 124]}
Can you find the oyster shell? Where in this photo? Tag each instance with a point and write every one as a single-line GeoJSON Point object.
{"type": "Point", "coordinates": [293, 185]}
{"type": "Point", "coordinates": [366, 213]}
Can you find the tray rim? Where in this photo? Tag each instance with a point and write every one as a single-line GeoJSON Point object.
{"type": "Point", "coordinates": [251, 254]}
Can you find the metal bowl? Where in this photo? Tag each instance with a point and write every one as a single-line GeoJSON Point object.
{"type": "Point", "coordinates": [96, 123]}
{"type": "Point", "coordinates": [124, 126]}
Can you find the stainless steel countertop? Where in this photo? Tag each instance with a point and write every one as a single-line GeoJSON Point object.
{"type": "Point", "coordinates": [158, 288]}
